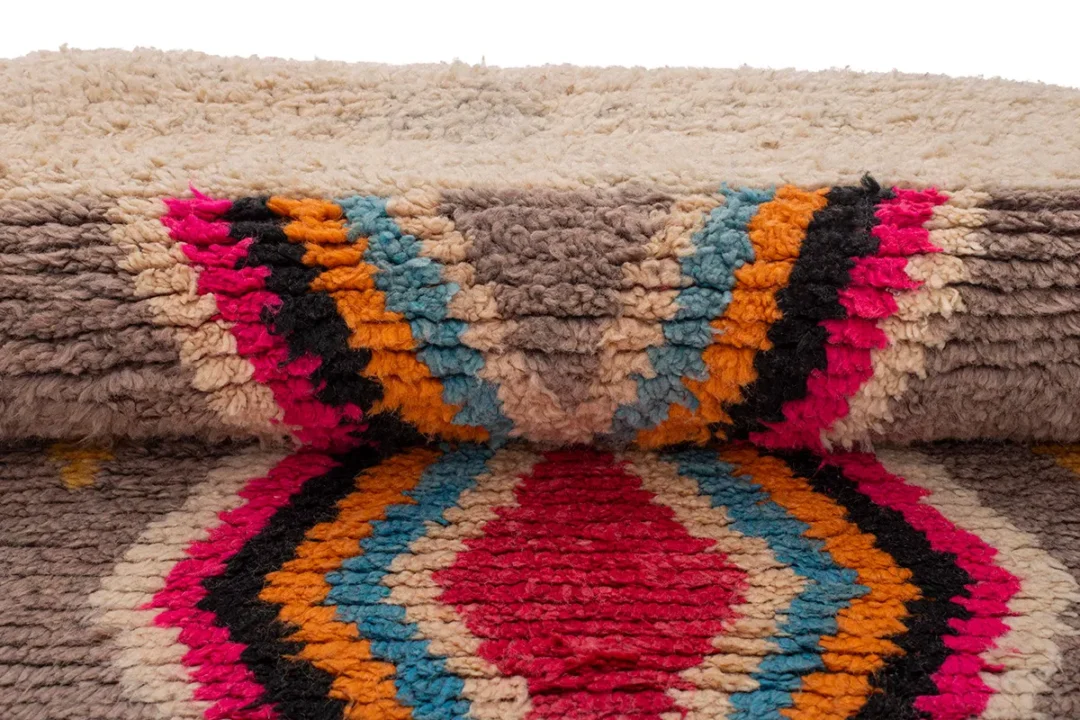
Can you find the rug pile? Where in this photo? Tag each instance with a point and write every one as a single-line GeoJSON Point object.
{"type": "Point", "coordinates": [366, 392]}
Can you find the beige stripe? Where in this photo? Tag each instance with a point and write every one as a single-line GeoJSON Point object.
{"type": "Point", "coordinates": [412, 586]}
{"type": "Point", "coordinates": [474, 304]}
{"type": "Point", "coordinates": [147, 657]}
{"type": "Point", "coordinates": [648, 296]}
{"type": "Point", "coordinates": [910, 331]}
{"type": "Point", "coordinates": [164, 276]}
{"type": "Point", "coordinates": [648, 305]}
{"type": "Point", "coordinates": [632, 334]}
{"type": "Point", "coordinates": [535, 410]}
{"type": "Point", "coordinates": [771, 588]}
{"type": "Point", "coordinates": [1027, 653]}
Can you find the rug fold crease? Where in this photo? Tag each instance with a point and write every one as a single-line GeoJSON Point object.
{"type": "Point", "coordinates": [335, 392]}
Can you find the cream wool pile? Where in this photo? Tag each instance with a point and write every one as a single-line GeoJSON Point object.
{"type": "Point", "coordinates": [367, 392]}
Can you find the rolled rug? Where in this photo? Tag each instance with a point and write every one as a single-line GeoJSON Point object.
{"type": "Point", "coordinates": [357, 391]}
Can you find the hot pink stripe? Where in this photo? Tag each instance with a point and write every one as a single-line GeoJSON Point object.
{"type": "Point", "coordinates": [242, 299]}
{"type": "Point", "coordinates": [868, 298]}
{"type": "Point", "coordinates": [218, 255]}
{"type": "Point", "coordinates": [963, 694]}
{"type": "Point", "coordinates": [213, 658]}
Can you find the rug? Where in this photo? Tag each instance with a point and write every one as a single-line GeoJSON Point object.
{"type": "Point", "coordinates": [368, 392]}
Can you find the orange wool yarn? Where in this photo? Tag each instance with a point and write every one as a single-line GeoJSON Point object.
{"type": "Point", "coordinates": [300, 587]}
{"type": "Point", "coordinates": [776, 232]}
{"type": "Point", "coordinates": [860, 645]}
{"type": "Point", "coordinates": [409, 389]}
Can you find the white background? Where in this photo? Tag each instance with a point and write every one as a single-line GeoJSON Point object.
{"type": "Point", "coordinates": [1015, 40]}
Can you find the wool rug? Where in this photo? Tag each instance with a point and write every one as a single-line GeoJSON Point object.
{"type": "Point", "coordinates": [362, 392]}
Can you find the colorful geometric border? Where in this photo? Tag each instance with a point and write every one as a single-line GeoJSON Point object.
{"type": "Point", "coordinates": [481, 583]}
{"type": "Point", "coordinates": [611, 317]}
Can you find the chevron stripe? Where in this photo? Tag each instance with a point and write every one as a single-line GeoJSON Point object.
{"type": "Point", "coordinates": [720, 248]}
{"type": "Point", "coordinates": [433, 384]}
{"type": "Point", "coordinates": [423, 681]}
{"type": "Point", "coordinates": [742, 485]}
{"type": "Point", "coordinates": [361, 682]}
{"type": "Point", "coordinates": [772, 586]}
{"type": "Point", "coordinates": [973, 596]}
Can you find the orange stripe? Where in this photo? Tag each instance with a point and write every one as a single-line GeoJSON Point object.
{"type": "Point", "coordinates": [409, 389]}
{"type": "Point", "coordinates": [365, 684]}
{"type": "Point", "coordinates": [861, 644]}
{"type": "Point", "coordinates": [776, 233]}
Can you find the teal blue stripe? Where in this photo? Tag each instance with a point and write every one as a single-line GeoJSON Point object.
{"type": "Point", "coordinates": [721, 247]}
{"type": "Point", "coordinates": [421, 678]}
{"type": "Point", "coordinates": [414, 287]}
{"type": "Point", "coordinates": [812, 614]}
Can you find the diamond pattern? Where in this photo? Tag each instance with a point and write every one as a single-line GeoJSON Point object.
{"type": "Point", "coordinates": [592, 591]}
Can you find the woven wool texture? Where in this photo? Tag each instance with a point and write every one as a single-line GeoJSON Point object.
{"type": "Point", "coordinates": [515, 583]}
{"type": "Point", "coordinates": [374, 393]}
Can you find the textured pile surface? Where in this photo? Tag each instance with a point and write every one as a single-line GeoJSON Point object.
{"type": "Point", "coordinates": [798, 318]}
{"type": "Point", "coordinates": [501, 584]}
{"type": "Point", "coordinates": [337, 392]}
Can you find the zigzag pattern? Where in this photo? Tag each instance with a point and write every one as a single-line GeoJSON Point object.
{"type": "Point", "coordinates": [475, 583]}
{"type": "Point", "coordinates": [618, 318]}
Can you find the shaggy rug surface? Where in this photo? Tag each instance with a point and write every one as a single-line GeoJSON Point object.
{"type": "Point", "coordinates": [366, 392]}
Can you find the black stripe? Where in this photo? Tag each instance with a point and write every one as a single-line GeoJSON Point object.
{"type": "Point", "coordinates": [296, 688]}
{"type": "Point", "coordinates": [836, 235]}
{"type": "Point", "coordinates": [936, 574]}
{"type": "Point", "coordinates": [307, 319]}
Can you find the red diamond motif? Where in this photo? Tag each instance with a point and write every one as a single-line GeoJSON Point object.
{"type": "Point", "coordinates": [591, 591]}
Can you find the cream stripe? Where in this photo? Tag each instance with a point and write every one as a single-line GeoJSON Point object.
{"type": "Point", "coordinates": [537, 413]}
{"type": "Point", "coordinates": [413, 587]}
{"type": "Point", "coordinates": [771, 588]}
{"type": "Point", "coordinates": [148, 657]}
{"type": "Point", "coordinates": [910, 330]}
{"type": "Point", "coordinates": [1027, 651]}
{"type": "Point", "coordinates": [534, 409]}
{"type": "Point", "coordinates": [165, 278]}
